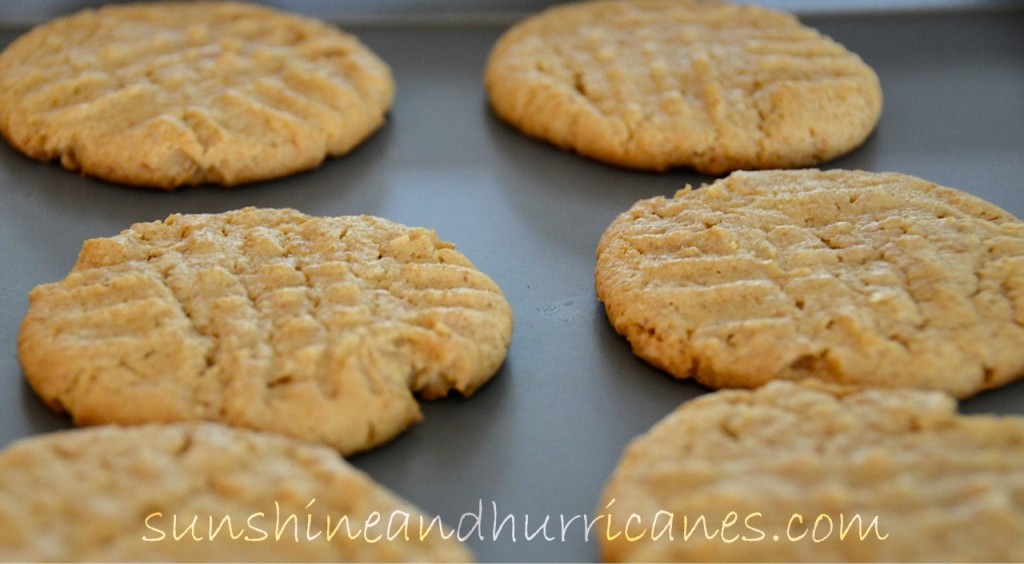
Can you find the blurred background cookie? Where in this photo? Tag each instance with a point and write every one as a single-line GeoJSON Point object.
{"type": "Point", "coordinates": [819, 473]}
{"type": "Point", "coordinates": [656, 84]}
{"type": "Point", "coordinates": [171, 94]}
{"type": "Point", "coordinates": [201, 493]}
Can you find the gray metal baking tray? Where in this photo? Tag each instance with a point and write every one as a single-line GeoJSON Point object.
{"type": "Point", "coordinates": [541, 438]}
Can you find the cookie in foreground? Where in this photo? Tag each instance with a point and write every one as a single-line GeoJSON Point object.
{"type": "Point", "coordinates": [878, 279]}
{"type": "Point", "coordinates": [657, 84]}
{"type": "Point", "coordinates": [321, 328]}
{"type": "Point", "coordinates": [202, 492]}
{"type": "Point", "coordinates": [165, 95]}
{"type": "Point", "coordinates": [816, 472]}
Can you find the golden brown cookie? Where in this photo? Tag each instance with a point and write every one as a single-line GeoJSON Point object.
{"type": "Point", "coordinates": [877, 279]}
{"type": "Point", "coordinates": [321, 328]}
{"type": "Point", "coordinates": [171, 94]}
{"type": "Point", "coordinates": [654, 84]}
{"type": "Point", "coordinates": [821, 473]}
{"type": "Point", "coordinates": [202, 492]}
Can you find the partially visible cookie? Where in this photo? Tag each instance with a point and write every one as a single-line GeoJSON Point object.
{"type": "Point", "coordinates": [171, 94]}
{"type": "Point", "coordinates": [876, 279]}
{"type": "Point", "coordinates": [320, 328]}
{"type": "Point", "coordinates": [816, 472]}
{"type": "Point", "coordinates": [655, 84]}
{"type": "Point", "coordinates": [202, 492]}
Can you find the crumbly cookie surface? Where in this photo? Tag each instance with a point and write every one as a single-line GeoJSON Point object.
{"type": "Point", "coordinates": [320, 328]}
{"type": "Point", "coordinates": [821, 473]}
{"type": "Point", "coordinates": [655, 84]}
{"type": "Point", "coordinates": [200, 492]}
{"type": "Point", "coordinates": [877, 279]}
{"type": "Point", "coordinates": [171, 94]}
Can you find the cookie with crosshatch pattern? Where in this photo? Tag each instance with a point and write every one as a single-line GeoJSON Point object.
{"type": "Point", "coordinates": [878, 279]}
{"type": "Point", "coordinates": [180, 93]}
{"type": "Point", "coordinates": [201, 492]}
{"type": "Point", "coordinates": [655, 84]}
{"type": "Point", "coordinates": [816, 472]}
{"type": "Point", "coordinates": [321, 328]}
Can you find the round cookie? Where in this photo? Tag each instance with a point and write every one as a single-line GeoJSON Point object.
{"type": "Point", "coordinates": [877, 279]}
{"type": "Point", "coordinates": [655, 84]}
{"type": "Point", "coordinates": [817, 472]}
{"type": "Point", "coordinates": [202, 493]}
{"type": "Point", "coordinates": [170, 94]}
{"type": "Point", "coordinates": [318, 328]}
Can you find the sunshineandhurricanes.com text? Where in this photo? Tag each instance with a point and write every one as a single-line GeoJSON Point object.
{"type": "Point", "coordinates": [486, 522]}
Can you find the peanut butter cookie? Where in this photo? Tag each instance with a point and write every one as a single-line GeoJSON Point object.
{"type": "Point", "coordinates": [877, 279]}
{"type": "Point", "coordinates": [320, 328]}
{"type": "Point", "coordinates": [202, 492]}
{"type": "Point", "coordinates": [655, 84]}
{"type": "Point", "coordinates": [171, 94]}
{"type": "Point", "coordinates": [818, 472]}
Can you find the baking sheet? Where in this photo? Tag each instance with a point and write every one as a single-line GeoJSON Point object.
{"type": "Point", "coordinates": [540, 440]}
